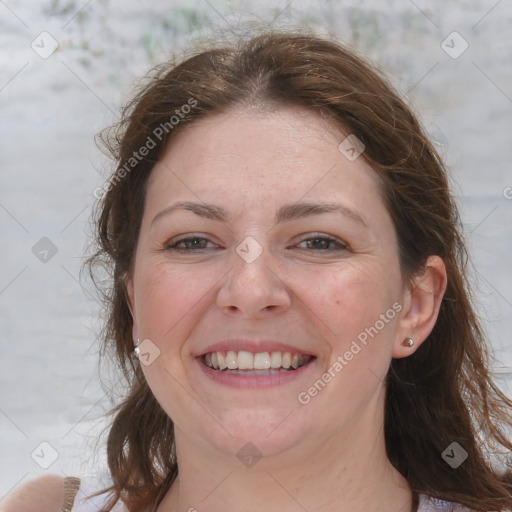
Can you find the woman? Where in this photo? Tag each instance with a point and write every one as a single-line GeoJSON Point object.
{"type": "Point", "coordinates": [290, 302]}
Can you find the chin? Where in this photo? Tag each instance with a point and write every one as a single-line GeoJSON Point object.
{"type": "Point", "coordinates": [264, 432]}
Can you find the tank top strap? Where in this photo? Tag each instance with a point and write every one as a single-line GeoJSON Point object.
{"type": "Point", "coordinates": [71, 486]}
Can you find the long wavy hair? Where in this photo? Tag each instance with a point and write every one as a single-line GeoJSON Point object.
{"type": "Point", "coordinates": [442, 393]}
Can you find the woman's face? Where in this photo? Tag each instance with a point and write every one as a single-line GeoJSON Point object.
{"type": "Point", "coordinates": [251, 273]}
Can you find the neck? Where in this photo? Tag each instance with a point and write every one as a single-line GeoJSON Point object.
{"type": "Point", "coordinates": [348, 472]}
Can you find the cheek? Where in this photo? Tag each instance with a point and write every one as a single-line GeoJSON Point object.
{"type": "Point", "coordinates": [349, 299]}
{"type": "Point", "coordinates": [165, 296]}
{"type": "Point", "coordinates": [350, 303]}
{"type": "Point", "coordinates": [169, 300]}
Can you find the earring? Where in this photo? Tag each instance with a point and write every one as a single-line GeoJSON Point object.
{"type": "Point", "coordinates": [136, 350]}
{"type": "Point", "coordinates": [408, 342]}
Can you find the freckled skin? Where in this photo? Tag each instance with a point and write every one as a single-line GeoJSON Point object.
{"type": "Point", "coordinates": [251, 164]}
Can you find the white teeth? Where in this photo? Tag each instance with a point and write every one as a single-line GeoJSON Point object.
{"type": "Point", "coordinates": [275, 360]}
{"type": "Point", "coordinates": [262, 361]}
{"type": "Point", "coordinates": [231, 360]}
{"type": "Point", "coordinates": [245, 360]}
{"type": "Point", "coordinates": [222, 361]}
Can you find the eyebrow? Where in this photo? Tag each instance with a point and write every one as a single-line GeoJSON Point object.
{"type": "Point", "coordinates": [286, 212]}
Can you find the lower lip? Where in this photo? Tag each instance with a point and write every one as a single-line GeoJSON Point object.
{"type": "Point", "coordinates": [241, 381]}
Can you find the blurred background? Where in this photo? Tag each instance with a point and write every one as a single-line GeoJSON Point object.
{"type": "Point", "coordinates": [67, 66]}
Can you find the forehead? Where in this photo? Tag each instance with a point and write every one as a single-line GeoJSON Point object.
{"type": "Point", "coordinates": [248, 152]}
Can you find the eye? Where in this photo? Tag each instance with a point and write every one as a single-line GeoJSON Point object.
{"type": "Point", "coordinates": [320, 243]}
{"type": "Point", "coordinates": [188, 244]}
{"type": "Point", "coordinates": [323, 243]}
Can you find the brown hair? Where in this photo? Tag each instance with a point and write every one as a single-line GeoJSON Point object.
{"type": "Point", "coordinates": [440, 394]}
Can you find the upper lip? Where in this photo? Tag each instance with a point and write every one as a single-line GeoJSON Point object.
{"type": "Point", "coordinates": [252, 345]}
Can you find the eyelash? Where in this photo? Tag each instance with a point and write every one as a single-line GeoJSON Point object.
{"type": "Point", "coordinates": [340, 245]}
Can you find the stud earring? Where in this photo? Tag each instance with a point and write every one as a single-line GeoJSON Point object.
{"type": "Point", "coordinates": [136, 350]}
{"type": "Point", "coordinates": [408, 342]}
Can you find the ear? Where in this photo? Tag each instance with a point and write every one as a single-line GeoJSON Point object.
{"type": "Point", "coordinates": [130, 299]}
{"type": "Point", "coordinates": [421, 303]}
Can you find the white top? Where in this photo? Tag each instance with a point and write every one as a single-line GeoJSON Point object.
{"type": "Point", "coordinates": [89, 486]}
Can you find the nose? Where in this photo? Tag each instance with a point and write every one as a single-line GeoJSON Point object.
{"type": "Point", "coordinates": [253, 288]}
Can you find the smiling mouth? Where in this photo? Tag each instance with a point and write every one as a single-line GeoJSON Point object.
{"type": "Point", "coordinates": [260, 363]}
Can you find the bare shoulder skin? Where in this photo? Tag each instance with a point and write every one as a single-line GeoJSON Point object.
{"type": "Point", "coordinates": [43, 494]}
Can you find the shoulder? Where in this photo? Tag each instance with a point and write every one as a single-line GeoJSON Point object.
{"type": "Point", "coordinates": [43, 494]}
{"type": "Point", "coordinates": [55, 493]}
